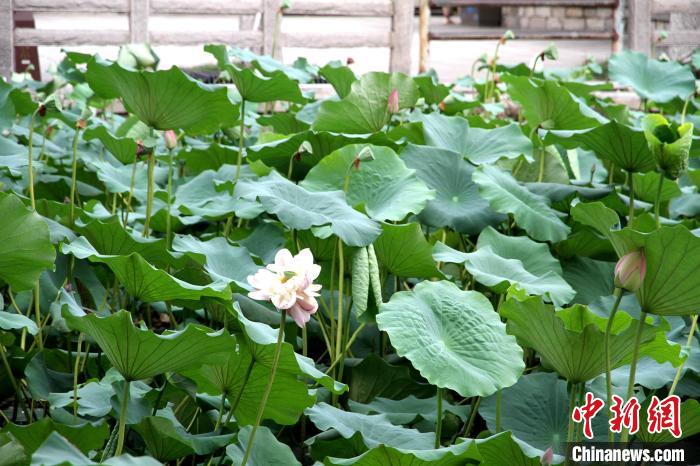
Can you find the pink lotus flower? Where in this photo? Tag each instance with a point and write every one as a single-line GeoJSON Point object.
{"type": "Point", "coordinates": [393, 103]}
{"type": "Point", "coordinates": [170, 139]}
{"type": "Point", "coordinates": [547, 457]}
{"type": "Point", "coordinates": [630, 270]}
{"type": "Point", "coordinates": [288, 284]}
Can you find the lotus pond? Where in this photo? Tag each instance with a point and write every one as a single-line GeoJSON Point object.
{"type": "Point", "coordinates": [405, 273]}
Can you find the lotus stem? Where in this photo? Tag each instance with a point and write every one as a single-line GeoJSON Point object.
{"type": "Point", "coordinates": [149, 195]}
{"type": "Point", "coordinates": [348, 345]}
{"type": "Point", "coordinates": [168, 226]}
{"type": "Point", "coordinates": [76, 370]}
{"type": "Point", "coordinates": [30, 155]}
{"type": "Point", "coordinates": [122, 418]}
{"type": "Point", "coordinates": [74, 174]}
{"type": "Point", "coordinates": [630, 182]}
{"type": "Point", "coordinates": [13, 381]}
{"type": "Point", "coordinates": [677, 378]}
{"type": "Point", "coordinates": [570, 430]}
{"type": "Point", "coordinates": [438, 422]}
{"type": "Point", "coordinates": [499, 399]}
{"type": "Point", "coordinates": [241, 143]}
{"type": "Point", "coordinates": [37, 313]}
{"type": "Point", "coordinates": [608, 363]}
{"type": "Point", "coordinates": [222, 407]}
{"type": "Point", "coordinates": [657, 202]}
{"type": "Point", "coordinates": [132, 185]}
{"type": "Point", "coordinates": [246, 377]}
{"type": "Point", "coordinates": [341, 311]}
{"type": "Point", "coordinates": [633, 368]}
{"type": "Point", "coordinates": [268, 389]}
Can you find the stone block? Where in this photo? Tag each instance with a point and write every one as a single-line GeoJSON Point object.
{"type": "Point", "coordinates": [574, 24]}
{"type": "Point", "coordinates": [543, 11]}
{"type": "Point", "coordinates": [595, 24]}
{"type": "Point", "coordinates": [537, 23]}
{"type": "Point", "coordinates": [574, 12]}
{"type": "Point", "coordinates": [554, 23]}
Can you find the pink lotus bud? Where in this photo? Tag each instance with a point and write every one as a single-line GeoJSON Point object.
{"type": "Point", "coordinates": [393, 104]}
{"type": "Point", "coordinates": [170, 139]}
{"type": "Point", "coordinates": [630, 270]}
{"type": "Point", "coordinates": [547, 457]}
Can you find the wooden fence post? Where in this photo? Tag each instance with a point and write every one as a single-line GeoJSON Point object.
{"type": "Point", "coordinates": [139, 11]}
{"type": "Point", "coordinates": [423, 34]}
{"type": "Point", "coordinates": [7, 49]}
{"type": "Point", "coordinates": [271, 44]}
{"type": "Point", "coordinates": [639, 25]}
{"type": "Point", "coordinates": [401, 36]}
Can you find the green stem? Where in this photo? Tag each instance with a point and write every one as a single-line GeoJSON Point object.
{"type": "Point", "coordinates": [657, 202]}
{"type": "Point", "coordinates": [472, 416]}
{"type": "Point", "coordinates": [633, 368]}
{"type": "Point", "coordinates": [572, 405]}
{"type": "Point", "coordinates": [37, 313]}
{"type": "Point", "coordinates": [499, 399]}
{"type": "Point", "coordinates": [122, 418]}
{"type": "Point", "coordinates": [30, 155]}
{"type": "Point", "coordinates": [149, 195]}
{"type": "Point", "coordinates": [348, 345]}
{"type": "Point", "coordinates": [74, 175]}
{"type": "Point", "coordinates": [608, 362]}
{"type": "Point", "coordinates": [76, 370]}
{"type": "Point", "coordinates": [168, 227]}
{"type": "Point", "coordinates": [222, 407]}
{"type": "Point", "coordinates": [540, 175]}
{"type": "Point", "coordinates": [630, 182]}
{"type": "Point", "coordinates": [241, 143]}
{"type": "Point", "coordinates": [268, 389]}
{"type": "Point", "coordinates": [341, 310]}
{"type": "Point", "coordinates": [132, 186]}
{"type": "Point", "coordinates": [13, 381]}
{"type": "Point", "coordinates": [438, 422]}
{"type": "Point", "coordinates": [685, 108]}
{"type": "Point", "coordinates": [677, 378]}
{"type": "Point", "coordinates": [246, 377]}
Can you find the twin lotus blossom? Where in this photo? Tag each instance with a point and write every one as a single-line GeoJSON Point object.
{"type": "Point", "coordinates": [288, 284]}
{"type": "Point", "coordinates": [630, 270]}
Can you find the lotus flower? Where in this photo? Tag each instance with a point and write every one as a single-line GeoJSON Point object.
{"type": "Point", "coordinates": [630, 270]}
{"type": "Point", "coordinates": [547, 457]}
{"type": "Point", "coordinates": [170, 139]}
{"type": "Point", "coordinates": [393, 103]}
{"type": "Point", "coordinates": [288, 284]}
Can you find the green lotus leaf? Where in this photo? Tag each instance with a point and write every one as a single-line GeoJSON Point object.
{"type": "Point", "coordinates": [452, 337]}
{"type": "Point", "coordinates": [457, 202]}
{"type": "Point", "coordinates": [536, 411]}
{"type": "Point", "coordinates": [221, 260]}
{"type": "Point", "coordinates": [123, 148]}
{"type": "Point", "coordinates": [403, 251]}
{"type": "Point", "coordinates": [478, 145]}
{"type": "Point", "coordinates": [26, 248]}
{"type": "Point", "coordinates": [11, 451]}
{"type": "Point", "coordinates": [254, 86]}
{"type": "Point", "coordinates": [266, 449]}
{"type": "Point", "coordinates": [501, 261]}
{"type": "Point", "coordinates": [409, 409]}
{"type": "Point", "coordinates": [384, 186]}
{"type": "Point", "coordinates": [56, 450]}
{"type": "Point", "coordinates": [430, 89]}
{"type": "Point", "coordinates": [167, 99]}
{"type": "Point", "coordinates": [10, 321]}
{"type": "Point", "coordinates": [301, 209]}
{"type": "Point", "coordinates": [339, 76]}
{"type": "Point", "coordinates": [382, 455]}
{"type": "Point", "coordinates": [374, 377]}
{"type": "Point", "coordinates": [117, 179]}
{"type": "Point", "coordinates": [669, 144]}
{"type": "Point", "coordinates": [85, 436]}
{"type": "Point", "coordinates": [548, 105]}
{"type": "Point", "coordinates": [167, 440]}
{"type": "Point", "coordinates": [365, 109]}
{"type": "Point", "coordinates": [570, 340]}
{"type": "Point", "coordinates": [374, 429]}
{"type": "Point", "coordinates": [143, 280]}
{"type": "Point", "coordinates": [651, 79]}
{"type": "Point", "coordinates": [139, 354]}
{"type": "Point", "coordinates": [625, 147]}
{"type": "Point", "coordinates": [212, 157]}
{"type": "Point", "coordinates": [646, 186]}
{"type": "Point", "coordinates": [504, 449]}
{"type": "Point", "coordinates": [531, 211]}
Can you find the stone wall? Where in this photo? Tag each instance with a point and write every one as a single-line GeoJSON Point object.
{"type": "Point", "coordinates": [557, 18]}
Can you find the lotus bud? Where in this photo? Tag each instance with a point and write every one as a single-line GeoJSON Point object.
{"type": "Point", "coordinates": [550, 53]}
{"type": "Point", "coordinates": [547, 457]}
{"type": "Point", "coordinates": [170, 139]}
{"type": "Point", "coordinates": [393, 103]}
{"type": "Point", "coordinates": [81, 124]}
{"type": "Point", "coordinates": [669, 143]}
{"type": "Point", "coordinates": [630, 270]}
{"type": "Point", "coordinates": [365, 155]}
{"type": "Point", "coordinates": [508, 35]}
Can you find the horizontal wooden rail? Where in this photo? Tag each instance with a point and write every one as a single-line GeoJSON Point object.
{"type": "Point", "coordinates": [244, 39]}
{"type": "Point", "coordinates": [579, 3]}
{"type": "Point", "coordinates": [369, 8]}
{"type": "Point", "coordinates": [206, 7]}
{"type": "Point", "coordinates": [61, 37]}
{"type": "Point", "coordinates": [523, 35]}
{"type": "Point", "coordinates": [675, 6]}
{"type": "Point", "coordinates": [72, 6]}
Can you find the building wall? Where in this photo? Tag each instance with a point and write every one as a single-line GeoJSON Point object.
{"type": "Point", "coordinates": [559, 18]}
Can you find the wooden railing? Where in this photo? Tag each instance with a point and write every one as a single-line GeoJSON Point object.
{"type": "Point", "coordinates": [680, 33]}
{"type": "Point", "coordinates": [260, 39]}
